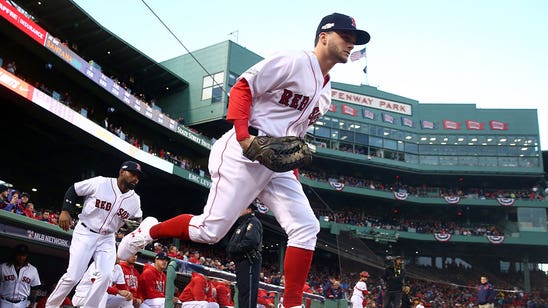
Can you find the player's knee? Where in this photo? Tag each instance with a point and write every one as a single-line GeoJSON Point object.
{"type": "Point", "coordinates": [311, 227]}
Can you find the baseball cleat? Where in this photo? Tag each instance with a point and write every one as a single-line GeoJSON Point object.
{"type": "Point", "coordinates": [136, 240]}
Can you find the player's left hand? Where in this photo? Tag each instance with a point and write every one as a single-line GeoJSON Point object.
{"type": "Point", "coordinates": [126, 294]}
{"type": "Point", "coordinates": [65, 220]}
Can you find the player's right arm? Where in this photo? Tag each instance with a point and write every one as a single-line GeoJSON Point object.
{"type": "Point", "coordinates": [239, 108]}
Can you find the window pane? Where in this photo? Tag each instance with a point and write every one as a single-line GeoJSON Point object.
{"type": "Point", "coordinates": [449, 160]}
{"type": "Point", "coordinates": [528, 162]}
{"type": "Point", "coordinates": [322, 132]}
{"type": "Point", "coordinates": [361, 139]}
{"type": "Point", "coordinates": [217, 94]}
{"type": "Point", "coordinates": [411, 148]}
{"type": "Point", "coordinates": [508, 161]}
{"type": "Point", "coordinates": [375, 141]}
{"type": "Point", "coordinates": [208, 81]}
{"type": "Point", "coordinates": [429, 160]}
{"type": "Point", "coordinates": [411, 158]}
{"type": "Point", "coordinates": [206, 93]}
{"type": "Point", "coordinates": [487, 161]}
{"type": "Point", "coordinates": [532, 219]}
{"type": "Point", "coordinates": [231, 79]}
{"type": "Point", "coordinates": [468, 161]}
{"type": "Point", "coordinates": [220, 78]}
{"type": "Point", "coordinates": [346, 135]}
{"type": "Point", "coordinates": [390, 144]}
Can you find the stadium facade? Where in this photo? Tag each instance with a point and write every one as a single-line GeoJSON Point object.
{"type": "Point", "coordinates": [380, 157]}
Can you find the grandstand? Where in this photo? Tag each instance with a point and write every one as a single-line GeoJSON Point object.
{"type": "Point", "coordinates": [391, 176]}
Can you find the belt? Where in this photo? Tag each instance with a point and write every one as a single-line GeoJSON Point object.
{"type": "Point", "coordinates": [12, 300]}
{"type": "Point", "coordinates": [90, 229]}
{"type": "Point", "coordinates": [253, 131]}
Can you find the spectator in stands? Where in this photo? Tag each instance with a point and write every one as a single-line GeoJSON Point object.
{"type": "Point", "coordinates": [18, 280]}
{"type": "Point", "coordinates": [131, 277]}
{"type": "Point", "coordinates": [199, 293]}
{"type": "Point", "coordinates": [334, 291]}
{"type": "Point", "coordinates": [45, 216]}
{"type": "Point", "coordinates": [406, 300]}
{"type": "Point", "coordinates": [393, 278]}
{"type": "Point", "coordinates": [486, 294]}
{"type": "Point", "coordinates": [24, 199]}
{"type": "Point", "coordinates": [29, 210]}
{"type": "Point", "coordinates": [158, 247]}
{"type": "Point", "coordinates": [173, 251]}
{"type": "Point", "coordinates": [13, 204]}
{"type": "Point", "coordinates": [195, 258]}
{"type": "Point", "coordinates": [11, 67]}
{"type": "Point", "coordinates": [152, 282]}
{"type": "Point", "coordinates": [3, 196]}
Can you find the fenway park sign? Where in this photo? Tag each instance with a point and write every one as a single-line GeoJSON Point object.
{"type": "Point", "coordinates": [371, 102]}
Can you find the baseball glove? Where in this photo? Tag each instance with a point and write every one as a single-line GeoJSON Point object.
{"type": "Point", "coordinates": [279, 154]}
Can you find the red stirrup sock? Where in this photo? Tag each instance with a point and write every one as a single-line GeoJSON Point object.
{"type": "Point", "coordinates": [296, 266]}
{"type": "Point", "coordinates": [175, 227]}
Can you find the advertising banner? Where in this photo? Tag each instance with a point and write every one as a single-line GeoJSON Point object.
{"type": "Point", "coordinates": [10, 13]}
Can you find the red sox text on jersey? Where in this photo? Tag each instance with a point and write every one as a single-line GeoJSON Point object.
{"type": "Point", "coordinates": [107, 206]}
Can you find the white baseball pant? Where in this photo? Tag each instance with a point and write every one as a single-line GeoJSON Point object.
{"type": "Point", "coordinates": [84, 246]}
{"type": "Point", "coordinates": [236, 182]}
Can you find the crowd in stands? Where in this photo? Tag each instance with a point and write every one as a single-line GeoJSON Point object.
{"type": "Point", "coordinates": [12, 200]}
{"type": "Point", "coordinates": [425, 191]}
{"type": "Point", "coordinates": [161, 150]}
{"type": "Point", "coordinates": [422, 225]}
{"type": "Point", "coordinates": [117, 128]}
{"type": "Point", "coordinates": [433, 289]}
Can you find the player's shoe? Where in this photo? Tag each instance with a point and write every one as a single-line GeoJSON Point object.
{"type": "Point", "coordinates": [136, 240]}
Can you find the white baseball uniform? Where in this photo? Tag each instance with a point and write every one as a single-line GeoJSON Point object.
{"type": "Point", "coordinates": [104, 211]}
{"type": "Point", "coordinates": [358, 294]}
{"type": "Point", "coordinates": [108, 300]}
{"type": "Point", "coordinates": [15, 287]}
{"type": "Point", "coordinates": [289, 94]}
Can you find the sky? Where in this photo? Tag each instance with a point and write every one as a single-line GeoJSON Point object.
{"type": "Point", "coordinates": [492, 53]}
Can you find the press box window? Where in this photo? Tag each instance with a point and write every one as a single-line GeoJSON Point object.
{"type": "Point", "coordinates": [213, 87]}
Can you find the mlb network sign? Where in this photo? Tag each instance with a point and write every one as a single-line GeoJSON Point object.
{"type": "Point", "coordinates": [371, 102]}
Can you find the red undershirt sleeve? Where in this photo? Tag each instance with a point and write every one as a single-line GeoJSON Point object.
{"type": "Point", "coordinates": [112, 290]}
{"type": "Point", "coordinates": [239, 107]}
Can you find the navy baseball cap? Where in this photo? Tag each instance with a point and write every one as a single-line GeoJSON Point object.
{"type": "Point", "coordinates": [3, 188]}
{"type": "Point", "coordinates": [162, 256]}
{"type": "Point", "coordinates": [133, 167]}
{"type": "Point", "coordinates": [21, 250]}
{"type": "Point", "coordinates": [337, 21]}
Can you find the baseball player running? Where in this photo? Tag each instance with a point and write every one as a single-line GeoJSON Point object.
{"type": "Point", "coordinates": [117, 295]}
{"type": "Point", "coordinates": [18, 278]}
{"type": "Point", "coordinates": [360, 292]}
{"type": "Point", "coordinates": [280, 96]}
{"type": "Point", "coordinates": [108, 202]}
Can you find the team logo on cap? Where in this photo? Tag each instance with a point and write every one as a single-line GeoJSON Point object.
{"type": "Point", "coordinates": [353, 22]}
{"type": "Point", "coordinates": [328, 26]}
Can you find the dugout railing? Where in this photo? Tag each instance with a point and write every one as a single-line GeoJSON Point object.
{"type": "Point", "coordinates": [178, 269]}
